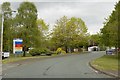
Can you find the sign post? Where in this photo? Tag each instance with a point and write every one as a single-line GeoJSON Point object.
{"type": "Point", "coordinates": [17, 46]}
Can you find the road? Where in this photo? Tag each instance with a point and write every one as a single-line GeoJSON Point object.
{"type": "Point", "coordinates": [0, 69]}
{"type": "Point", "coordinates": [72, 66]}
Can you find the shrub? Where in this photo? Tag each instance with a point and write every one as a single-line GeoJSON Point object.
{"type": "Point", "coordinates": [32, 52]}
{"type": "Point", "coordinates": [39, 51]}
{"type": "Point", "coordinates": [60, 51]}
{"type": "Point", "coordinates": [35, 52]}
{"type": "Point", "coordinates": [63, 52]}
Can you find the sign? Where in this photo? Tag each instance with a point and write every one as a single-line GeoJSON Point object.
{"type": "Point", "coordinates": [6, 54]}
{"type": "Point", "coordinates": [17, 46]}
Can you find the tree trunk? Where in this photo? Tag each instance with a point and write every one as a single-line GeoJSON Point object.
{"type": "Point", "coordinates": [24, 54]}
{"type": "Point", "coordinates": [116, 51]}
{"type": "Point", "coordinates": [66, 49]}
{"type": "Point", "coordinates": [24, 50]}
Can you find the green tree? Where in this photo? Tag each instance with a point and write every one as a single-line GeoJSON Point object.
{"type": "Point", "coordinates": [69, 33]}
{"type": "Point", "coordinates": [110, 30]}
{"type": "Point", "coordinates": [0, 26]}
{"type": "Point", "coordinates": [0, 22]}
{"type": "Point", "coordinates": [26, 26]}
{"type": "Point", "coordinates": [43, 27]}
{"type": "Point", "coordinates": [95, 39]}
{"type": "Point", "coordinates": [6, 9]}
{"type": "Point", "coordinates": [58, 35]}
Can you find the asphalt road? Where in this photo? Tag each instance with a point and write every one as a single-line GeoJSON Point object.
{"type": "Point", "coordinates": [72, 66]}
{"type": "Point", "coordinates": [0, 70]}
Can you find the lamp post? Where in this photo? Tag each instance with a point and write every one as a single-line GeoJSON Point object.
{"type": "Point", "coordinates": [1, 47]}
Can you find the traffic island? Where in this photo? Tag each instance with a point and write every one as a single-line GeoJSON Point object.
{"type": "Point", "coordinates": [107, 64]}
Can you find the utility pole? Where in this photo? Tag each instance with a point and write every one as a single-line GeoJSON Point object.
{"type": "Point", "coordinates": [1, 47]}
{"type": "Point", "coordinates": [2, 27]}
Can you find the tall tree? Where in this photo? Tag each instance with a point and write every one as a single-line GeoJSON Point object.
{"type": "Point", "coordinates": [6, 9]}
{"type": "Point", "coordinates": [110, 30]}
{"type": "Point", "coordinates": [95, 39]}
{"type": "Point", "coordinates": [0, 22]}
{"type": "Point", "coordinates": [43, 27]}
{"type": "Point", "coordinates": [68, 33]}
{"type": "Point", "coordinates": [27, 26]}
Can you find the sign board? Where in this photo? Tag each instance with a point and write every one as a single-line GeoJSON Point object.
{"type": "Point", "coordinates": [6, 54]}
{"type": "Point", "coordinates": [17, 46]}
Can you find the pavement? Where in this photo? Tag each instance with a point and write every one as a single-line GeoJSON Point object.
{"type": "Point", "coordinates": [49, 71]}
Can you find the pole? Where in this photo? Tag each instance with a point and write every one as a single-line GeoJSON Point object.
{"type": "Point", "coordinates": [1, 47]}
{"type": "Point", "coordinates": [1, 50]}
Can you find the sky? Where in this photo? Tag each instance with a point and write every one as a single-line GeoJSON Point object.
{"type": "Point", "coordinates": [92, 12]}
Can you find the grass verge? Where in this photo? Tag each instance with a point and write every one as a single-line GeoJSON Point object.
{"type": "Point", "coordinates": [106, 62]}
{"type": "Point", "coordinates": [14, 58]}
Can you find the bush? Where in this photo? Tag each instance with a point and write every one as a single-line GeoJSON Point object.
{"type": "Point", "coordinates": [35, 52]}
{"type": "Point", "coordinates": [60, 51]}
{"type": "Point", "coordinates": [63, 52]}
{"type": "Point", "coordinates": [39, 51]}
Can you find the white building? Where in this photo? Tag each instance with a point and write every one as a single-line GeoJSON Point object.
{"type": "Point", "coordinates": [93, 48]}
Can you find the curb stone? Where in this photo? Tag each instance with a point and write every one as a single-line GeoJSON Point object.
{"type": "Point", "coordinates": [104, 72]}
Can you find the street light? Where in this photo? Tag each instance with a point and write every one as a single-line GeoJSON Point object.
{"type": "Point", "coordinates": [1, 50]}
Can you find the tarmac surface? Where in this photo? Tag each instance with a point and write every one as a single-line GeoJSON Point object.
{"type": "Point", "coordinates": [68, 66]}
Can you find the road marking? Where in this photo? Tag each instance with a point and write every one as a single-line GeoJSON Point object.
{"type": "Point", "coordinates": [45, 72]}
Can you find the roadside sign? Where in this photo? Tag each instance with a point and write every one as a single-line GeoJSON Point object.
{"type": "Point", "coordinates": [17, 46]}
{"type": "Point", "coordinates": [6, 54]}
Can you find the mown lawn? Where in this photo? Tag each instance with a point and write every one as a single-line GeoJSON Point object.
{"type": "Point", "coordinates": [106, 62]}
{"type": "Point", "coordinates": [14, 58]}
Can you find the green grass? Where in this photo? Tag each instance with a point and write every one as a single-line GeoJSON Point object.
{"type": "Point", "coordinates": [106, 62]}
{"type": "Point", "coordinates": [14, 58]}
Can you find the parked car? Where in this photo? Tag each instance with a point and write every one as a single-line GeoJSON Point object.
{"type": "Point", "coordinates": [110, 51]}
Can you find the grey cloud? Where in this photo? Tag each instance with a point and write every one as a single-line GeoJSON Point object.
{"type": "Point", "coordinates": [60, 0]}
{"type": "Point", "coordinates": [93, 13]}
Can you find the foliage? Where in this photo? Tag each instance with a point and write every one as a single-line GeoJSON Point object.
{"type": "Point", "coordinates": [34, 52]}
{"type": "Point", "coordinates": [27, 28]}
{"type": "Point", "coordinates": [43, 28]}
{"type": "Point", "coordinates": [60, 51]}
{"type": "Point", "coordinates": [69, 33]}
{"type": "Point", "coordinates": [39, 51]}
{"type": "Point", "coordinates": [0, 23]}
{"type": "Point", "coordinates": [24, 25]}
{"type": "Point", "coordinates": [7, 38]}
{"type": "Point", "coordinates": [110, 30]}
{"type": "Point", "coordinates": [63, 52]}
{"type": "Point", "coordinates": [42, 25]}
{"type": "Point", "coordinates": [95, 39]}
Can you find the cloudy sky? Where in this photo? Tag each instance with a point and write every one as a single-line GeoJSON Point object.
{"type": "Point", "coordinates": [92, 12]}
